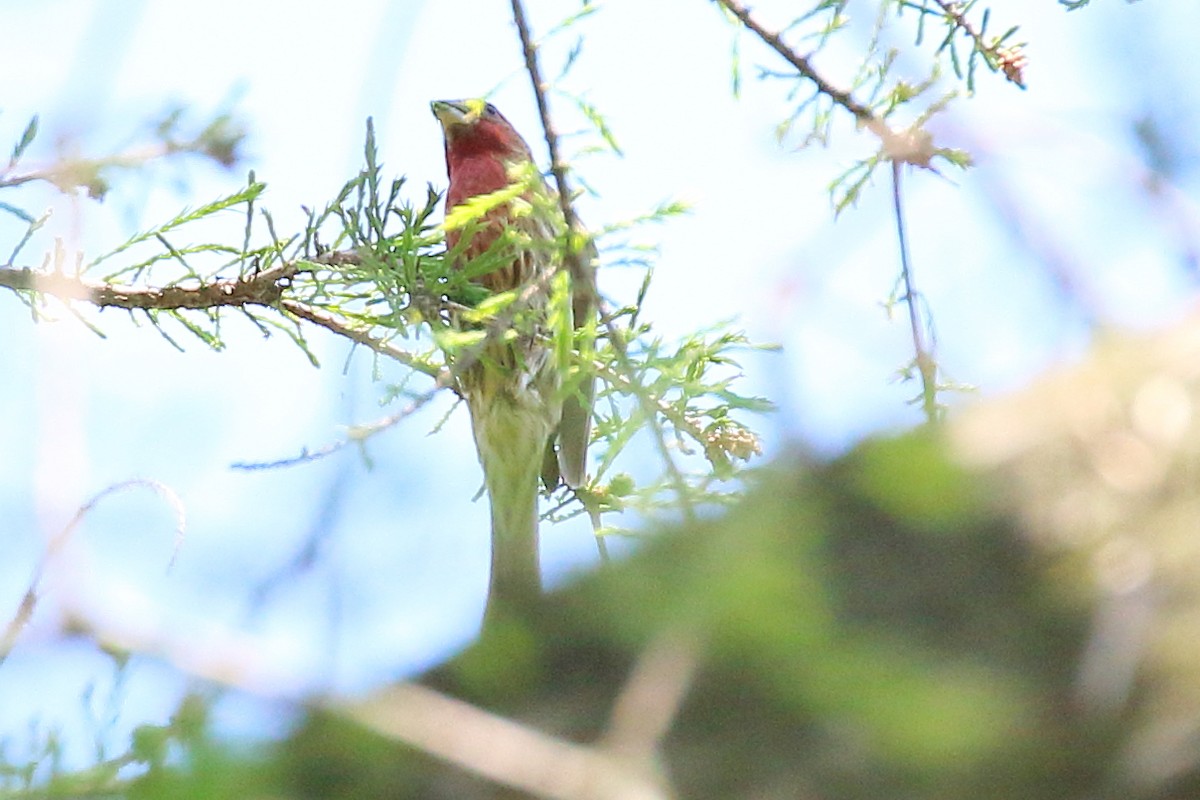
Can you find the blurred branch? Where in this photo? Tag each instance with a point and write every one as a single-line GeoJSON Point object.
{"type": "Point", "coordinates": [624, 764]}
{"type": "Point", "coordinates": [1036, 234]}
{"type": "Point", "coordinates": [29, 600]}
{"type": "Point", "coordinates": [649, 702]}
{"type": "Point", "coordinates": [220, 140]}
{"type": "Point", "coordinates": [501, 749]}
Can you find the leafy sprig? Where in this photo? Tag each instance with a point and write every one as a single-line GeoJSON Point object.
{"type": "Point", "coordinates": [384, 282]}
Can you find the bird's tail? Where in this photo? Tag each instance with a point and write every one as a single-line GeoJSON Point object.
{"type": "Point", "coordinates": [509, 436]}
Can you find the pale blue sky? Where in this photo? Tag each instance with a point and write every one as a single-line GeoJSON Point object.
{"type": "Point", "coordinates": [760, 246]}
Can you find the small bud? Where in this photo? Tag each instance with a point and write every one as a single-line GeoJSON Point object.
{"type": "Point", "coordinates": [1012, 63]}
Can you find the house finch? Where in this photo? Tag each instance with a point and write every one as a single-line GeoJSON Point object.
{"type": "Point", "coordinates": [512, 387]}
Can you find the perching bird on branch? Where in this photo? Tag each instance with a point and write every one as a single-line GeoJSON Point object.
{"type": "Point", "coordinates": [505, 229]}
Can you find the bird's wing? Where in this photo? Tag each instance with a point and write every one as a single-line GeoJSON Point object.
{"type": "Point", "coordinates": [575, 429]}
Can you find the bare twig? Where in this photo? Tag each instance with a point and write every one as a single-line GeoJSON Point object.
{"type": "Point", "coordinates": [357, 433]}
{"type": "Point", "coordinates": [924, 358]}
{"type": "Point", "coordinates": [343, 328]}
{"type": "Point", "coordinates": [29, 601]}
{"type": "Point", "coordinates": [953, 12]}
{"type": "Point", "coordinates": [911, 146]}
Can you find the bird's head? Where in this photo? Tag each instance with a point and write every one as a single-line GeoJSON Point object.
{"type": "Point", "coordinates": [475, 128]}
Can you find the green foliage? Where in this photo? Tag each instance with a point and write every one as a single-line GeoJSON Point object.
{"type": "Point", "coordinates": [23, 143]}
{"type": "Point", "coordinates": [37, 766]}
{"type": "Point", "coordinates": [401, 285]}
{"type": "Point", "coordinates": [848, 637]}
{"type": "Point", "coordinates": [370, 266]}
{"type": "Point", "coordinates": [243, 197]}
{"type": "Point", "coordinates": [857, 643]}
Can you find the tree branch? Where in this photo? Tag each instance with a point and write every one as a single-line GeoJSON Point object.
{"type": "Point", "coordinates": [29, 600]}
{"type": "Point", "coordinates": [263, 288]}
{"type": "Point", "coordinates": [575, 249]}
{"type": "Point", "coordinates": [580, 274]}
{"type": "Point", "coordinates": [1011, 60]}
{"type": "Point", "coordinates": [342, 328]}
{"type": "Point", "coordinates": [911, 146]}
{"type": "Point", "coordinates": [220, 140]}
{"type": "Point", "coordinates": [802, 65]}
{"type": "Point", "coordinates": [500, 749]}
{"type": "Point", "coordinates": [924, 358]}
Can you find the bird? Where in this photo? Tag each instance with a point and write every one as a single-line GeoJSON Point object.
{"type": "Point", "coordinates": [525, 426]}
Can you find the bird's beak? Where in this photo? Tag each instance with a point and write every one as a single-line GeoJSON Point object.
{"type": "Point", "coordinates": [453, 113]}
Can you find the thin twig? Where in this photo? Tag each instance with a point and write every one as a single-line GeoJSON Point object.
{"type": "Point", "coordinates": [953, 12]}
{"type": "Point", "coordinates": [575, 249]}
{"type": "Point", "coordinates": [913, 145]}
{"type": "Point", "coordinates": [1011, 60]}
{"type": "Point", "coordinates": [601, 544]}
{"type": "Point", "coordinates": [580, 275]}
{"type": "Point", "coordinates": [357, 433]}
{"type": "Point", "coordinates": [444, 378]}
{"type": "Point", "coordinates": [802, 65]}
{"type": "Point", "coordinates": [925, 360]}
{"type": "Point", "coordinates": [654, 404]}
{"type": "Point", "coordinates": [361, 336]}
{"type": "Point", "coordinates": [650, 407]}
{"type": "Point", "coordinates": [29, 600]}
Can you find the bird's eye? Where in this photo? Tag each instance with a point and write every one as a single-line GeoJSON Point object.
{"type": "Point", "coordinates": [491, 110]}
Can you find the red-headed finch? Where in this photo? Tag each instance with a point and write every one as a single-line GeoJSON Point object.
{"type": "Point", "coordinates": [505, 228]}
